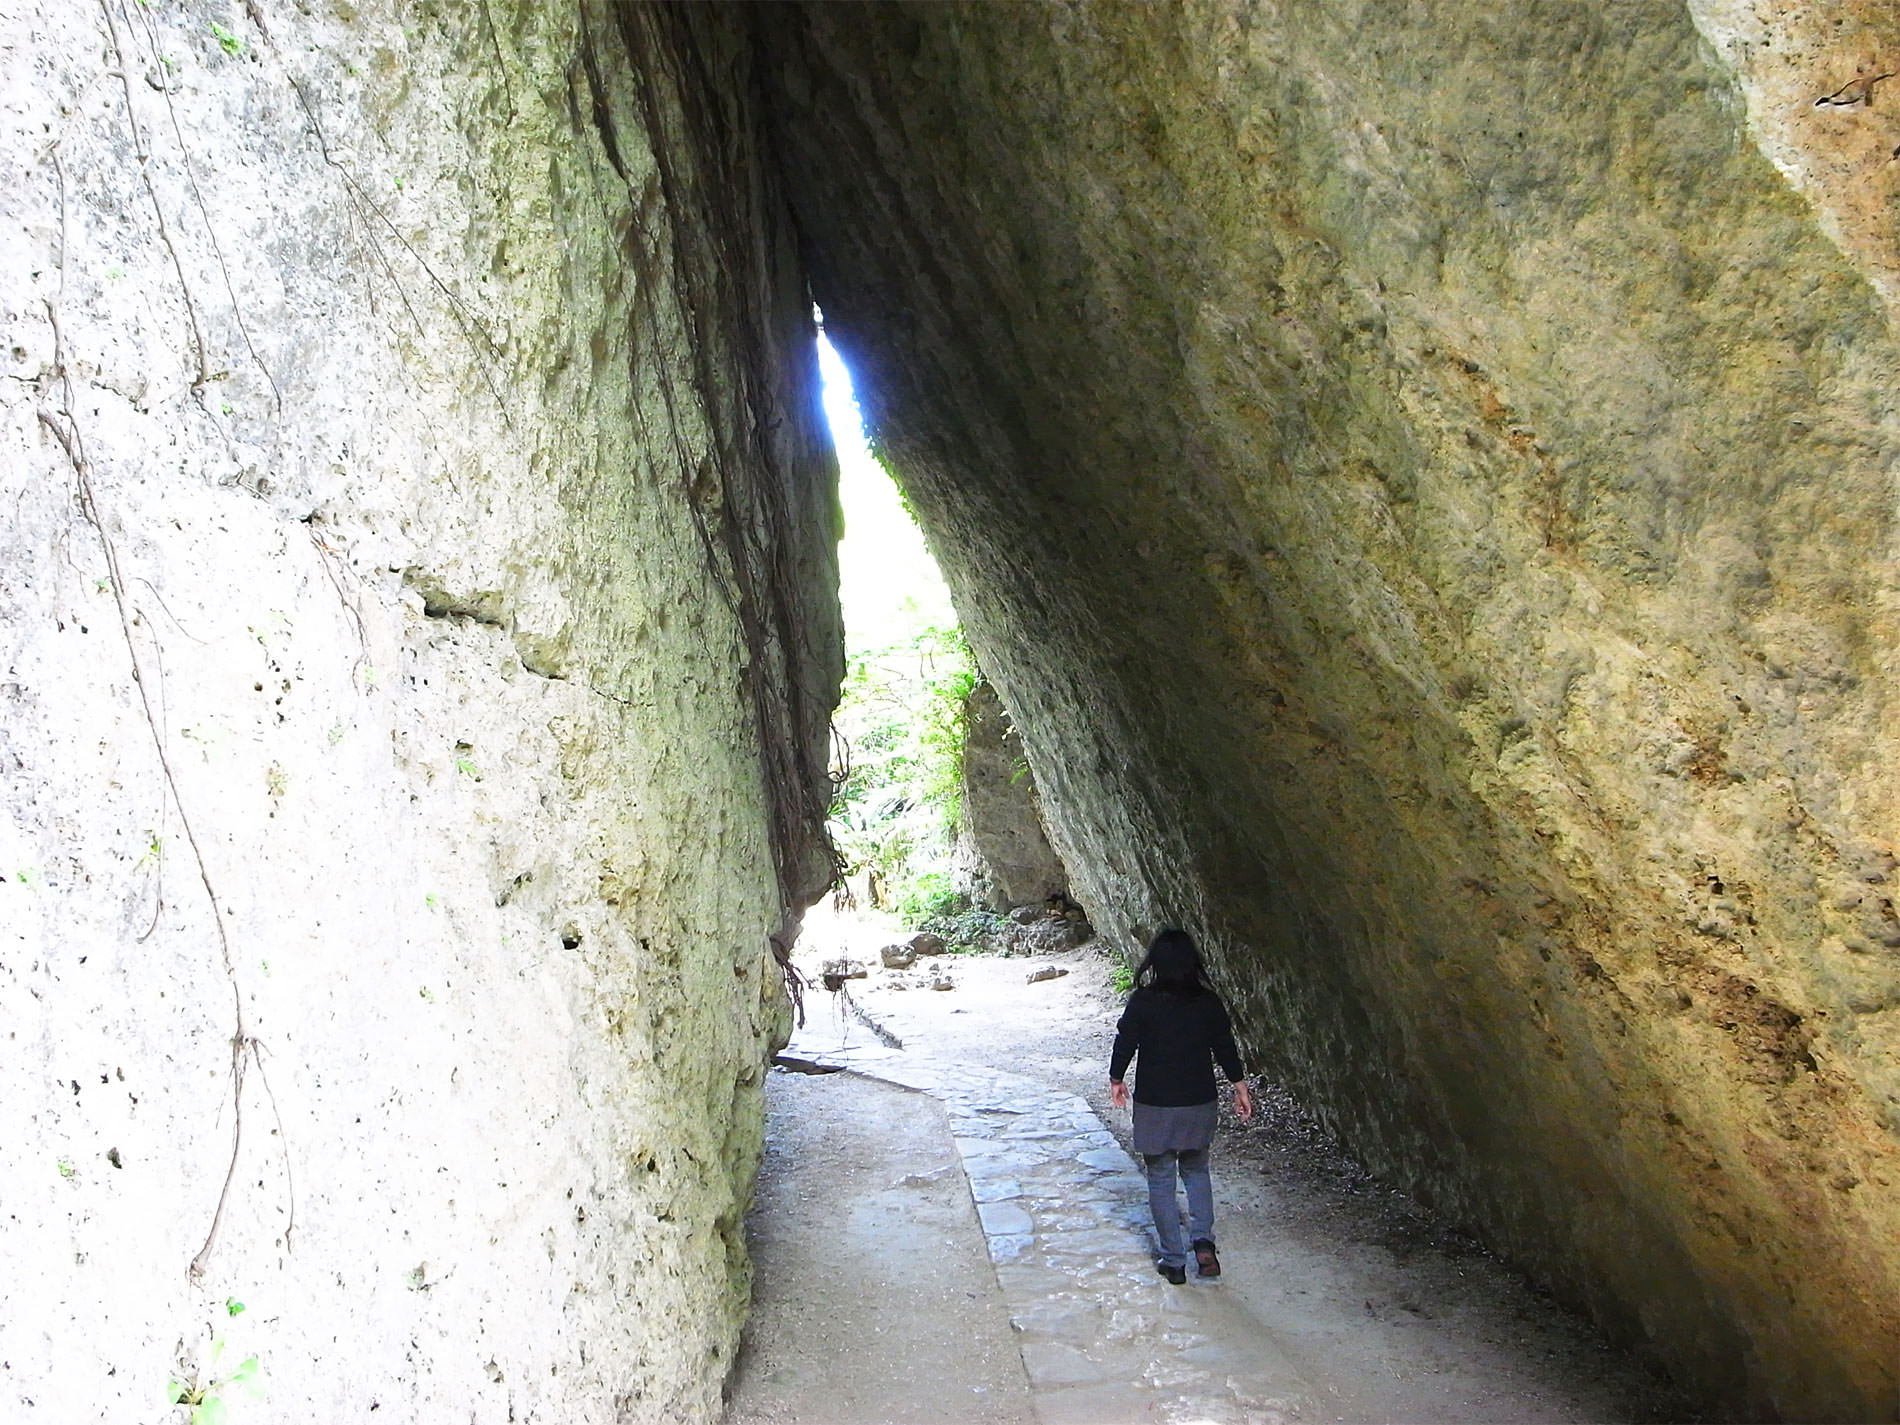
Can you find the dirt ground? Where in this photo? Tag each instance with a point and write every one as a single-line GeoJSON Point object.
{"type": "Point", "coordinates": [875, 1300]}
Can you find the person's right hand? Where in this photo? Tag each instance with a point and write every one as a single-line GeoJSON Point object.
{"type": "Point", "coordinates": [1243, 1102]}
{"type": "Point", "coordinates": [1118, 1093]}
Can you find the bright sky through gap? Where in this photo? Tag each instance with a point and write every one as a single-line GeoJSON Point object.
{"type": "Point", "coordinates": [887, 581]}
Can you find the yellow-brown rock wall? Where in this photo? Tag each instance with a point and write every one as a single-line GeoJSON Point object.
{"type": "Point", "coordinates": [1461, 469]}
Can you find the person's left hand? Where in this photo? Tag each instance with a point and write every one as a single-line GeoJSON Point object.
{"type": "Point", "coordinates": [1243, 1103]}
{"type": "Point", "coordinates": [1118, 1093]}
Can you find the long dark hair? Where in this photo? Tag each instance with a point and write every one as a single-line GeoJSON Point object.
{"type": "Point", "coordinates": [1173, 965]}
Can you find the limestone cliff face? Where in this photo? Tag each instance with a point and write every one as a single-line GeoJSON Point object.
{"type": "Point", "coordinates": [416, 583]}
{"type": "Point", "coordinates": [1004, 857]}
{"type": "Point", "coordinates": [1470, 593]}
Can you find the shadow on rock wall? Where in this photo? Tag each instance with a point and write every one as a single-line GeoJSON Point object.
{"type": "Point", "coordinates": [1462, 471]}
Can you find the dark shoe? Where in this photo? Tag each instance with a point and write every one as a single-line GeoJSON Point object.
{"type": "Point", "coordinates": [1206, 1260]}
{"type": "Point", "coordinates": [1177, 1275]}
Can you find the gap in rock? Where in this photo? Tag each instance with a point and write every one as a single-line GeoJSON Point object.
{"type": "Point", "coordinates": [899, 724]}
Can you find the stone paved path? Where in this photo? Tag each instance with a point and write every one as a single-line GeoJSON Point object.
{"type": "Point", "coordinates": [1064, 1209]}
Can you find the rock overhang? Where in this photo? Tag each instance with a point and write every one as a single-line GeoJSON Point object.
{"type": "Point", "coordinates": [1422, 485]}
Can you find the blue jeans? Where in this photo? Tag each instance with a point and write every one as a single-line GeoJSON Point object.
{"type": "Point", "coordinates": [1167, 1208]}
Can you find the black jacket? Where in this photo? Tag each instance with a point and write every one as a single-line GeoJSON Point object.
{"type": "Point", "coordinates": [1178, 1038]}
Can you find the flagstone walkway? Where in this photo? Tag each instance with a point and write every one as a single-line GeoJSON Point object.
{"type": "Point", "coordinates": [984, 1254]}
{"type": "Point", "coordinates": [1064, 1210]}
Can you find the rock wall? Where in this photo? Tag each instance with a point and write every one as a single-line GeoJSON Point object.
{"type": "Point", "coordinates": [1468, 599]}
{"type": "Point", "coordinates": [1817, 85]}
{"type": "Point", "coordinates": [1003, 856]}
{"type": "Point", "coordinates": [417, 593]}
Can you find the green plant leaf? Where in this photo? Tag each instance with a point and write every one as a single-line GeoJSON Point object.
{"type": "Point", "coordinates": [231, 1304]}
{"type": "Point", "coordinates": [176, 1392]}
{"type": "Point", "coordinates": [211, 1411]}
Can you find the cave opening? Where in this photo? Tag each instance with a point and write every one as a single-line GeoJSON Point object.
{"type": "Point", "coordinates": [898, 731]}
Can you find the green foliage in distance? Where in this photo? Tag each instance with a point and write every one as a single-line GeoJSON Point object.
{"type": "Point", "coordinates": [926, 896]}
{"type": "Point", "coordinates": [900, 720]}
{"type": "Point", "coordinates": [967, 929]}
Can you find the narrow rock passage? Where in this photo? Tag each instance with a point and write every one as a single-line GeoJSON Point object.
{"type": "Point", "coordinates": [1370, 1312]}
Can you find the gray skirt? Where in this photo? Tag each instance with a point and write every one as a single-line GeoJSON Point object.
{"type": "Point", "coordinates": [1188, 1129]}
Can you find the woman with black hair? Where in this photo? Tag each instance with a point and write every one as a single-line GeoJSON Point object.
{"type": "Point", "coordinates": [1175, 1023]}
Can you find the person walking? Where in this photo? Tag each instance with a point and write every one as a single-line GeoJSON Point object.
{"type": "Point", "coordinates": [1175, 1029]}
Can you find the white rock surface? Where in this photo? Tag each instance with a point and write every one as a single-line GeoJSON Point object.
{"type": "Point", "coordinates": [359, 461]}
